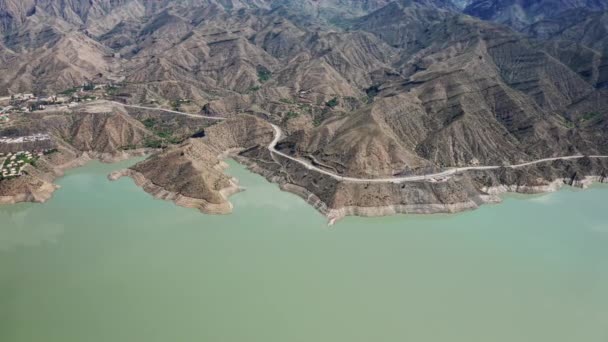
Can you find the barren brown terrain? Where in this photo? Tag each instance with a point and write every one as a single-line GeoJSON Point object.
{"type": "Point", "coordinates": [358, 90]}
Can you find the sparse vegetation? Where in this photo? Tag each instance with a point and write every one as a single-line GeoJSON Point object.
{"type": "Point", "coordinates": [264, 74]}
{"type": "Point", "coordinates": [70, 92]}
{"type": "Point", "coordinates": [590, 116]}
{"type": "Point", "coordinates": [305, 108]}
{"type": "Point", "coordinates": [149, 123]}
{"type": "Point", "coordinates": [88, 87]}
{"type": "Point", "coordinates": [291, 115]}
{"type": "Point", "coordinates": [111, 90]}
{"type": "Point", "coordinates": [372, 92]}
{"type": "Point", "coordinates": [316, 121]}
{"type": "Point", "coordinates": [153, 143]}
{"type": "Point", "coordinates": [333, 102]}
{"type": "Point", "coordinates": [164, 135]}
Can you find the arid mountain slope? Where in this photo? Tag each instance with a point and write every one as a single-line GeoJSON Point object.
{"type": "Point", "coordinates": [519, 14]}
{"type": "Point", "coordinates": [361, 89]}
{"type": "Point", "coordinates": [578, 38]}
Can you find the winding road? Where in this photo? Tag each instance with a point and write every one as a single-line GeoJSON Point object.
{"type": "Point", "coordinates": [431, 177]}
{"type": "Point", "coordinates": [169, 111]}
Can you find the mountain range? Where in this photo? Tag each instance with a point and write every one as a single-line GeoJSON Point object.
{"type": "Point", "coordinates": [362, 88]}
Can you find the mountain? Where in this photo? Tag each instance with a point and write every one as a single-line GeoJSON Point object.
{"type": "Point", "coordinates": [101, 15]}
{"type": "Point", "coordinates": [521, 13]}
{"type": "Point", "coordinates": [578, 38]}
{"type": "Point", "coordinates": [364, 89]}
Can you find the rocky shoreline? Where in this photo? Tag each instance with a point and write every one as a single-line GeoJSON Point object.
{"type": "Point", "coordinates": [191, 174]}
{"type": "Point", "coordinates": [492, 197]}
{"type": "Point", "coordinates": [44, 189]}
{"type": "Point", "coordinates": [39, 195]}
{"type": "Point", "coordinates": [488, 195]}
{"type": "Point", "coordinates": [161, 193]}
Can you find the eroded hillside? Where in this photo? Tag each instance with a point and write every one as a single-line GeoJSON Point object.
{"type": "Point", "coordinates": [368, 89]}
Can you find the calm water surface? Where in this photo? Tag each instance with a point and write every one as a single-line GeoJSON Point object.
{"type": "Point", "coordinates": [103, 261]}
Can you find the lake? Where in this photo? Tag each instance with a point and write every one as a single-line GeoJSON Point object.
{"type": "Point", "coordinates": [104, 261]}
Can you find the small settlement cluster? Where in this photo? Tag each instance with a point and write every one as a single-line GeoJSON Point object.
{"type": "Point", "coordinates": [11, 164]}
{"type": "Point", "coordinates": [27, 102]}
{"type": "Point", "coordinates": [14, 163]}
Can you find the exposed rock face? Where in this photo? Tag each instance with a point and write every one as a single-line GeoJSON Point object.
{"type": "Point", "coordinates": [192, 174]}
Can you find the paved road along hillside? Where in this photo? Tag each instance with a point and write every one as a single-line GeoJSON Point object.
{"type": "Point", "coordinates": [431, 177]}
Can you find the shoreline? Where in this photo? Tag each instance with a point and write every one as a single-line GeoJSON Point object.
{"type": "Point", "coordinates": [493, 196]}
{"type": "Point", "coordinates": [202, 205]}
{"type": "Point", "coordinates": [44, 192]}
{"type": "Point", "coordinates": [487, 195]}
{"type": "Point", "coordinates": [490, 195]}
{"type": "Point", "coordinates": [161, 193]}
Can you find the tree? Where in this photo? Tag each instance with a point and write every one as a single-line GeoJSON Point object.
{"type": "Point", "coordinates": [332, 103]}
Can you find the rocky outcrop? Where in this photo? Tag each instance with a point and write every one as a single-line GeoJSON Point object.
{"type": "Point", "coordinates": [192, 174]}
{"type": "Point", "coordinates": [219, 206]}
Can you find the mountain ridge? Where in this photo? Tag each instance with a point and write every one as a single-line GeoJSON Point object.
{"type": "Point", "coordinates": [384, 89]}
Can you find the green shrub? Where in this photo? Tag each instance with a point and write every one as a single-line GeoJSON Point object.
{"type": "Point", "coordinates": [153, 143]}
{"type": "Point", "coordinates": [264, 74]}
{"type": "Point", "coordinates": [332, 103]}
{"type": "Point", "coordinates": [292, 114]}
{"type": "Point", "coordinates": [69, 92]}
{"type": "Point", "coordinates": [590, 116]}
{"type": "Point", "coordinates": [149, 122]}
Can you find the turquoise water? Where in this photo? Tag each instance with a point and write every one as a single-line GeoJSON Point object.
{"type": "Point", "coordinates": [103, 261]}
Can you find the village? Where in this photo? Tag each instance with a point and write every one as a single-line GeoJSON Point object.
{"type": "Point", "coordinates": [13, 163]}
{"type": "Point", "coordinates": [22, 103]}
